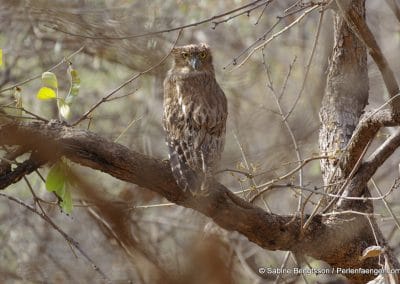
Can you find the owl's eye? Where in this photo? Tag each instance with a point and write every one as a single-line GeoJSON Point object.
{"type": "Point", "coordinates": [203, 54]}
{"type": "Point", "coordinates": [185, 55]}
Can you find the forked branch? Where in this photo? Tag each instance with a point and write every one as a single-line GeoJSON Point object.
{"type": "Point", "coordinates": [268, 230]}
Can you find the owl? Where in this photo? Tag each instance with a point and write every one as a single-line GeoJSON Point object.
{"type": "Point", "coordinates": [194, 117]}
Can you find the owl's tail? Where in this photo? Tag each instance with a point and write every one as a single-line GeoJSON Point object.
{"type": "Point", "coordinates": [185, 177]}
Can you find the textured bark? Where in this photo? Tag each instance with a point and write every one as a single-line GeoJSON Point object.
{"type": "Point", "coordinates": [339, 242]}
{"type": "Point", "coordinates": [344, 136]}
{"type": "Point", "coordinates": [346, 94]}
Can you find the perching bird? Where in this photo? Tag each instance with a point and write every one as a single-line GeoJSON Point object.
{"type": "Point", "coordinates": [194, 119]}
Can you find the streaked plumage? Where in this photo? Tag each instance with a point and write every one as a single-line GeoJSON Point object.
{"type": "Point", "coordinates": [194, 119]}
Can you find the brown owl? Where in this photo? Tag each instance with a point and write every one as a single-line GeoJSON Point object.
{"type": "Point", "coordinates": [194, 119]}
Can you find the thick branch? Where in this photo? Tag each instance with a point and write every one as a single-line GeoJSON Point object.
{"type": "Point", "coordinates": [270, 231]}
{"type": "Point", "coordinates": [368, 169]}
{"type": "Point", "coordinates": [366, 130]}
{"type": "Point", "coordinates": [88, 149]}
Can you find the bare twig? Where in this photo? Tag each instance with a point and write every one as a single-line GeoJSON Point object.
{"type": "Point", "coordinates": [308, 67]}
{"type": "Point", "coordinates": [345, 212]}
{"type": "Point", "coordinates": [315, 191]}
{"type": "Point", "coordinates": [66, 59]}
{"type": "Point", "coordinates": [285, 122]}
{"type": "Point", "coordinates": [347, 181]}
{"type": "Point", "coordinates": [246, 163]}
{"type": "Point", "coordinates": [247, 174]}
{"type": "Point", "coordinates": [182, 27]}
{"type": "Point", "coordinates": [69, 239]}
{"type": "Point", "coordinates": [28, 112]}
{"type": "Point", "coordinates": [130, 80]}
{"type": "Point", "coordinates": [389, 209]}
{"type": "Point", "coordinates": [261, 38]}
{"type": "Point", "coordinates": [288, 27]}
{"type": "Point", "coordinates": [296, 169]}
{"type": "Point", "coordinates": [247, 12]}
{"type": "Point", "coordinates": [134, 120]}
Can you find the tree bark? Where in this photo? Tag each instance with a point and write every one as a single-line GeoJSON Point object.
{"type": "Point", "coordinates": [346, 94]}
{"type": "Point", "coordinates": [345, 98]}
{"type": "Point", "coordinates": [339, 242]}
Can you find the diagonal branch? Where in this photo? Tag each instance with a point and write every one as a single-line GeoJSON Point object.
{"type": "Point", "coordinates": [368, 169]}
{"type": "Point", "coordinates": [362, 31]}
{"type": "Point", "coordinates": [384, 151]}
{"type": "Point", "coordinates": [394, 7]}
{"type": "Point", "coordinates": [91, 150]}
{"type": "Point", "coordinates": [366, 130]}
{"type": "Point", "coordinates": [338, 244]}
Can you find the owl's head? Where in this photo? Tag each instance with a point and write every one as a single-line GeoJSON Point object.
{"type": "Point", "coordinates": [193, 57]}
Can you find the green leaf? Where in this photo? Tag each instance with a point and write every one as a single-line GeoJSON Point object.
{"type": "Point", "coordinates": [75, 83]}
{"type": "Point", "coordinates": [74, 80]}
{"type": "Point", "coordinates": [49, 79]}
{"type": "Point", "coordinates": [64, 109]}
{"type": "Point", "coordinates": [46, 94]}
{"type": "Point", "coordinates": [55, 180]}
{"type": "Point", "coordinates": [1, 57]}
{"type": "Point", "coordinates": [66, 203]}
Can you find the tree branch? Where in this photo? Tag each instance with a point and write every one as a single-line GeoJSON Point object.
{"type": "Point", "coordinates": [362, 31]}
{"type": "Point", "coordinates": [366, 130]}
{"type": "Point", "coordinates": [268, 230]}
{"type": "Point", "coordinates": [368, 168]}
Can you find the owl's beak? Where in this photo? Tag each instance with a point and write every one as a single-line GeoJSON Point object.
{"type": "Point", "coordinates": [195, 62]}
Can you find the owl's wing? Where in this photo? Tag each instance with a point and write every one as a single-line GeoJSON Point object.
{"type": "Point", "coordinates": [185, 176]}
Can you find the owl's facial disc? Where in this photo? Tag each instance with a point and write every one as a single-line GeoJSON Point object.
{"type": "Point", "coordinates": [195, 62]}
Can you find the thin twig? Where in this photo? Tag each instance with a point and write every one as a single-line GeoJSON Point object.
{"type": "Point", "coordinates": [261, 14]}
{"type": "Point", "coordinates": [130, 80]}
{"type": "Point", "coordinates": [283, 265]}
{"type": "Point", "coordinates": [128, 126]}
{"type": "Point", "coordinates": [296, 169]}
{"type": "Point", "coordinates": [315, 191]}
{"type": "Point", "coordinates": [69, 239]}
{"type": "Point", "coordinates": [353, 171]}
{"type": "Point", "coordinates": [308, 67]}
{"type": "Point", "coordinates": [211, 19]}
{"type": "Point", "coordinates": [389, 209]}
{"type": "Point", "coordinates": [65, 59]}
{"type": "Point", "coordinates": [28, 112]}
{"type": "Point", "coordinates": [289, 129]}
{"type": "Point", "coordinates": [308, 11]}
{"type": "Point", "coordinates": [152, 206]}
{"type": "Point", "coordinates": [350, 212]}
{"type": "Point", "coordinates": [261, 38]}
{"type": "Point", "coordinates": [247, 174]}
{"type": "Point", "coordinates": [216, 23]}
{"type": "Point", "coordinates": [252, 180]}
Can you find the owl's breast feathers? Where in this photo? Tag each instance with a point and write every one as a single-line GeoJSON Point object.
{"type": "Point", "coordinates": [194, 100]}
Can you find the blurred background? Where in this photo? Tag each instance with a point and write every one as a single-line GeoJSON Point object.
{"type": "Point", "coordinates": [168, 241]}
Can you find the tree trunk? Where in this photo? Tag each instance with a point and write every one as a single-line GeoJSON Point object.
{"type": "Point", "coordinates": [345, 98]}
{"type": "Point", "coordinates": [346, 94]}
